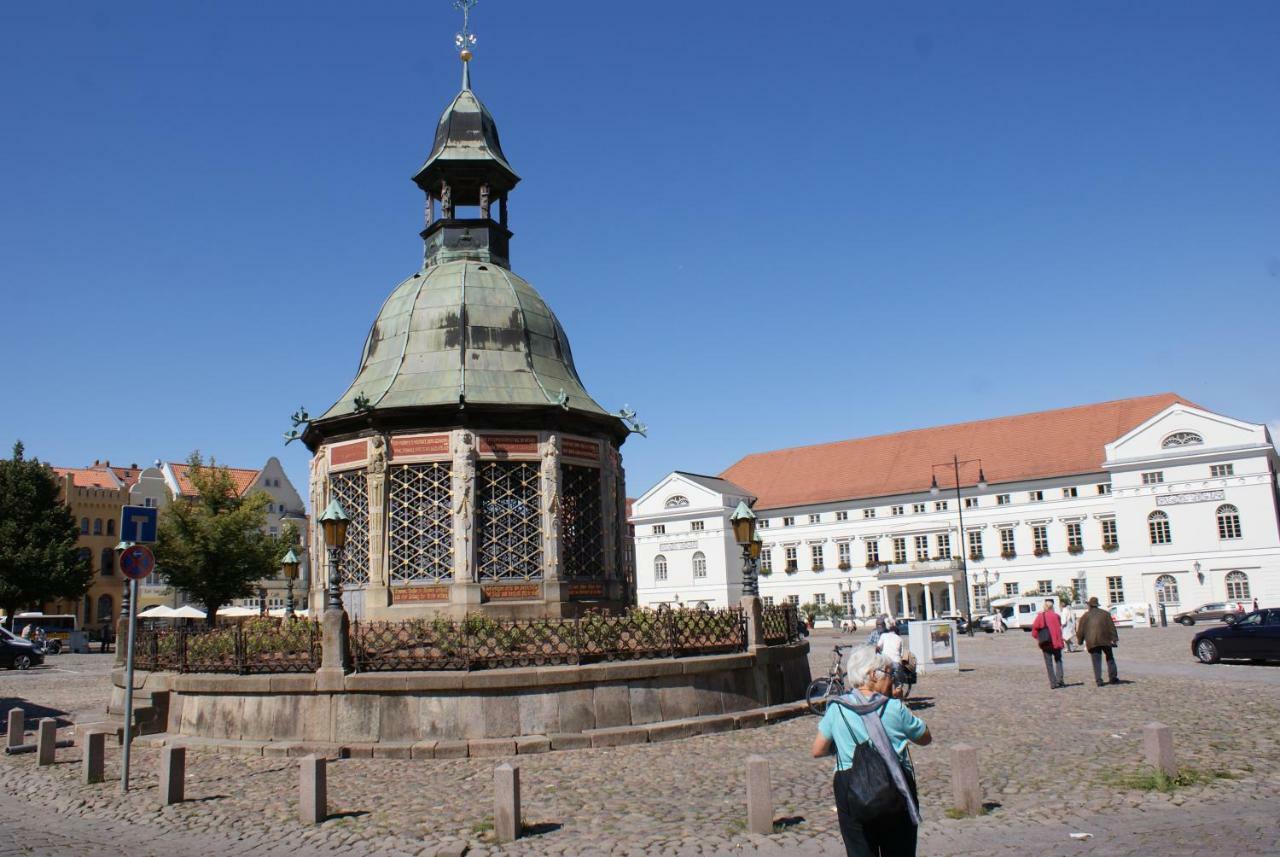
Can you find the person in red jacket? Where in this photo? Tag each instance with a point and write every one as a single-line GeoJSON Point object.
{"type": "Point", "coordinates": [1047, 631]}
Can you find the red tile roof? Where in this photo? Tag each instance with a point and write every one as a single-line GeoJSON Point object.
{"type": "Point", "coordinates": [88, 477]}
{"type": "Point", "coordinates": [1030, 446]}
{"type": "Point", "coordinates": [242, 479]}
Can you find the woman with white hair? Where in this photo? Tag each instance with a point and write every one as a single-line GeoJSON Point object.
{"type": "Point", "coordinates": [874, 784]}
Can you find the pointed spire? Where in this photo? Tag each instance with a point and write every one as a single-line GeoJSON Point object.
{"type": "Point", "coordinates": [466, 75]}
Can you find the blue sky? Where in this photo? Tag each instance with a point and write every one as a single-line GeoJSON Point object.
{"type": "Point", "coordinates": [784, 225]}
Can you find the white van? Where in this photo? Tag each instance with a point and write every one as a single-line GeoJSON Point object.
{"type": "Point", "coordinates": [1018, 611]}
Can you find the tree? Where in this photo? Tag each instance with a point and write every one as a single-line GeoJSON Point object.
{"type": "Point", "coordinates": [39, 557]}
{"type": "Point", "coordinates": [214, 545]}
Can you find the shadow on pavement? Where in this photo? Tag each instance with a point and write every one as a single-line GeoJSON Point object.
{"type": "Point", "coordinates": [920, 703]}
{"type": "Point", "coordinates": [539, 828]}
{"type": "Point", "coordinates": [31, 713]}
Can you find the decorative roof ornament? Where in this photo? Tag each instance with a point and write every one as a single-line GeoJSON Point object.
{"type": "Point", "coordinates": [301, 419]}
{"type": "Point", "coordinates": [465, 40]}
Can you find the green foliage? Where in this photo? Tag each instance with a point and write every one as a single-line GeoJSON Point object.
{"type": "Point", "coordinates": [1066, 596]}
{"type": "Point", "coordinates": [1150, 780]}
{"type": "Point", "coordinates": [39, 557]}
{"type": "Point", "coordinates": [215, 545]}
{"type": "Point", "coordinates": [811, 610]}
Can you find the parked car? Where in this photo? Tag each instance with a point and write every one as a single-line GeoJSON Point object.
{"type": "Point", "coordinates": [1214, 611]}
{"type": "Point", "coordinates": [1255, 636]}
{"type": "Point", "coordinates": [17, 653]}
{"type": "Point", "coordinates": [962, 627]}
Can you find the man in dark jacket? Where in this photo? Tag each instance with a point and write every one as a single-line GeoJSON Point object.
{"type": "Point", "coordinates": [1098, 633]}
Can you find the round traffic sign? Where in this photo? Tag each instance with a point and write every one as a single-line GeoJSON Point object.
{"type": "Point", "coordinates": [137, 561]}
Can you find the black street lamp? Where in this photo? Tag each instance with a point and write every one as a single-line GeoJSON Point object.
{"type": "Point", "coordinates": [744, 532]}
{"type": "Point", "coordinates": [334, 521]}
{"type": "Point", "coordinates": [964, 547]}
{"type": "Point", "coordinates": [289, 568]}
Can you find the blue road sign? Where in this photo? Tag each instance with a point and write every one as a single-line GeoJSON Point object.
{"type": "Point", "coordinates": [138, 524]}
{"type": "Point", "coordinates": [136, 562]}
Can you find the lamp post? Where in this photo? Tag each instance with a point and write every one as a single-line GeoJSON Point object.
{"type": "Point", "coordinates": [744, 531]}
{"type": "Point", "coordinates": [964, 547]}
{"type": "Point", "coordinates": [987, 577]}
{"type": "Point", "coordinates": [289, 568]}
{"type": "Point", "coordinates": [334, 521]}
{"type": "Point", "coordinates": [850, 587]}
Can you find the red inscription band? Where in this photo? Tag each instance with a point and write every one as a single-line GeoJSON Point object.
{"type": "Point", "coordinates": [505, 591]}
{"type": "Point", "coordinates": [349, 452]}
{"type": "Point", "coordinates": [405, 594]}
{"type": "Point", "coordinates": [426, 444]}
{"type": "Point", "coordinates": [586, 590]}
{"type": "Point", "coordinates": [586, 449]}
{"type": "Point", "coordinates": [513, 444]}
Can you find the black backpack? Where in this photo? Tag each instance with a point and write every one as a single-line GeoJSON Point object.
{"type": "Point", "coordinates": [866, 788]}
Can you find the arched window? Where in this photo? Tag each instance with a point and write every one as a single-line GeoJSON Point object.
{"type": "Point", "coordinates": [105, 608]}
{"type": "Point", "coordinates": [1158, 524]}
{"type": "Point", "coordinates": [659, 567]}
{"type": "Point", "coordinates": [1228, 522]}
{"type": "Point", "coordinates": [699, 564]}
{"type": "Point", "coordinates": [97, 526]}
{"type": "Point", "coordinates": [1181, 438]}
{"type": "Point", "coordinates": [676, 501]}
{"type": "Point", "coordinates": [1237, 585]}
{"type": "Point", "coordinates": [111, 526]}
{"type": "Point", "coordinates": [108, 562]}
{"type": "Point", "coordinates": [1166, 589]}
{"type": "Point", "coordinates": [84, 526]}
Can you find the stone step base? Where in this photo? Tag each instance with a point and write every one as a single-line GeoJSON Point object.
{"type": "Point", "coordinates": [666, 730]}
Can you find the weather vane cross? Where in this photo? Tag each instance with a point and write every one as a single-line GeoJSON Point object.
{"type": "Point", "coordinates": [466, 39]}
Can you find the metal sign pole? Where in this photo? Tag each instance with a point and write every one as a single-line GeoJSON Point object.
{"type": "Point", "coordinates": [128, 686]}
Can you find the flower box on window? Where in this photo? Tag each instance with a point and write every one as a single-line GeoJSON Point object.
{"type": "Point", "coordinates": [792, 568]}
{"type": "Point", "coordinates": [1010, 554]}
{"type": "Point", "coordinates": [819, 568]}
{"type": "Point", "coordinates": [975, 556]}
{"type": "Point", "coordinates": [1111, 547]}
{"type": "Point", "coordinates": [1075, 550]}
{"type": "Point", "coordinates": [1042, 551]}
{"type": "Point", "coordinates": [765, 572]}
{"type": "Point", "coordinates": [844, 566]}
{"type": "Point", "coordinates": [874, 563]}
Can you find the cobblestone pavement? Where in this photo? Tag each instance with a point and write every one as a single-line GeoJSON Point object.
{"type": "Point", "coordinates": [1049, 763]}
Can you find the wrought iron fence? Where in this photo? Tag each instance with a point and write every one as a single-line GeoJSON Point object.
{"type": "Point", "coordinates": [479, 642]}
{"type": "Point", "coordinates": [253, 646]}
{"type": "Point", "coordinates": [780, 625]}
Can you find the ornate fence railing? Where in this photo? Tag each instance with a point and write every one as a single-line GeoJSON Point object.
{"type": "Point", "coordinates": [481, 643]}
{"type": "Point", "coordinates": [780, 625]}
{"type": "Point", "coordinates": [253, 646]}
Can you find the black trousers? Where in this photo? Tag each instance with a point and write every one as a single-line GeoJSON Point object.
{"type": "Point", "coordinates": [893, 836]}
{"type": "Point", "coordinates": [1052, 664]}
{"type": "Point", "coordinates": [1096, 655]}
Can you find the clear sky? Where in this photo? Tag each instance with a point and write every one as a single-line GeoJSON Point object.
{"type": "Point", "coordinates": [762, 224]}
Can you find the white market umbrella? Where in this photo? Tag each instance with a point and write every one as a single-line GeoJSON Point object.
{"type": "Point", "coordinates": [159, 611]}
{"type": "Point", "coordinates": [235, 612]}
{"type": "Point", "coordinates": [281, 612]}
{"type": "Point", "coordinates": [186, 611]}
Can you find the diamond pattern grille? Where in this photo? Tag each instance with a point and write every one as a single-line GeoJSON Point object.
{"type": "Point", "coordinates": [581, 522]}
{"type": "Point", "coordinates": [350, 487]}
{"type": "Point", "coordinates": [509, 520]}
{"type": "Point", "coordinates": [420, 523]}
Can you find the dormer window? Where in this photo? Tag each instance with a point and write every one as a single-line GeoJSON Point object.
{"type": "Point", "coordinates": [1181, 438]}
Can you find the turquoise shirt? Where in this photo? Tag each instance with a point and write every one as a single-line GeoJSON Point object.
{"type": "Point", "coordinates": [844, 728]}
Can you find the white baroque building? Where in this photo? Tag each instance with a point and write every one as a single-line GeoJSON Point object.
{"type": "Point", "coordinates": [1146, 500]}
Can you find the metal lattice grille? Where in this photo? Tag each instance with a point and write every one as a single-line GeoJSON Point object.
{"type": "Point", "coordinates": [581, 522]}
{"type": "Point", "coordinates": [420, 523]}
{"type": "Point", "coordinates": [509, 520]}
{"type": "Point", "coordinates": [350, 487]}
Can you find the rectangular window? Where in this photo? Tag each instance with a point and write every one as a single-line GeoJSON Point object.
{"type": "Point", "coordinates": [1040, 539]}
{"type": "Point", "coordinates": [1153, 477]}
{"type": "Point", "coordinates": [846, 600]}
{"type": "Point", "coordinates": [768, 600]}
{"type": "Point", "coordinates": [1010, 590]}
{"type": "Point", "coordinates": [1217, 471]}
{"type": "Point", "coordinates": [1070, 491]}
{"type": "Point", "coordinates": [873, 551]}
{"type": "Point", "coordinates": [1104, 487]}
{"type": "Point", "coordinates": [1115, 590]}
{"type": "Point", "coordinates": [1044, 587]}
{"type": "Point", "coordinates": [975, 544]}
{"type": "Point", "coordinates": [1110, 539]}
{"type": "Point", "coordinates": [922, 548]}
{"type": "Point", "coordinates": [792, 560]}
{"type": "Point", "coordinates": [868, 513]}
{"type": "Point", "coordinates": [971, 502]}
{"type": "Point", "coordinates": [917, 508]}
{"type": "Point", "coordinates": [820, 598]}
{"type": "Point", "coordinates": [944, 546]}
{"type": "Point", "coordinates": [793, 600]}
{"type": "Point", "coordinates": [875, 602]}
{"type": "Point", "coordinates": [815, 554]}
{"type": "Point", "coordinates": [842, 549]}
{"type": "Point", "coordinates": [764, 523]}
{"type": "Point", "coordinates": [939, 505]}
{"type": "Point", "coordinates": [1006, 543]}
{"type": "Point", "coordinates": [899, 549]}
{"type": "Point", "coordinates": [1075, 538]}
{"type": "Point", "coordinates": [788, 521]}
{"type": "Point", "coordinates": [895, 510]}
{"type": "Point", "coordinates": [766, 560]}
{"type": "Point", "coordinates": [1079, 590]}
{"type": "Point", "coordinates": [814, 519]}
{"type": "Point", "coordinates": [980, 596]}
{"type": "Point", "coordinates": [659, 529]}
{"type": "Point", "coordinates": [697, 526]}
{"type": "Point", "coordinates": [1003, 499]}
{"type": "Point", "coordinates": [842, 516]}
{"type": "Point", "coordinates": [1035, 496]}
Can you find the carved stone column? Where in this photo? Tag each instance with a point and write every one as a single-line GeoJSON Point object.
{"type": "Point", "coordinates": [553, 587]}
{"type": "Point", "coordinates": [319, 499]}
{"type": "Point", "coordinates": [377, 594]}
{"type": "Point", "coordinates": [465, 592]}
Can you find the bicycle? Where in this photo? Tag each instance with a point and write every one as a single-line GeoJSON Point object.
{"type": "Point", "coordinates": [822, 690]}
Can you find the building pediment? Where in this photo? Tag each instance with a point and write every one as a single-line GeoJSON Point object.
{"type": "Point", "coordinates": [1181, 431]}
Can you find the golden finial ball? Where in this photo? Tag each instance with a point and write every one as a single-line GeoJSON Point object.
{"type": "Point", "coordinates": [466, 56]}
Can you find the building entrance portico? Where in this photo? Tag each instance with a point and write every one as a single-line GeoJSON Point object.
{"type": "Point", "coordinates": [918, 596]}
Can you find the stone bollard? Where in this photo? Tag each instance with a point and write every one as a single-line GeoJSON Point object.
{"type": "Point", "coordinates": [94, 763]}
{"type": "Point", "coordinates": [759, 796]}
{"type": "Point", "coordinates": [313, 789]}
{"type": "Point", "coordinates": [46, 741]}
{"type": "Point", "coordinates": [506, 802]}
{"type": "Point", "coordinates": [966, 791]}
{"type": "Point", "coordinates": [173, 774]}
{"type": "Point", "coordinates": [17, 726]}
{"type": "Point", "coordinates": [1157, 740]}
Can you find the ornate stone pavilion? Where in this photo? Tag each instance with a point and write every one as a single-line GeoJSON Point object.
{"type": "Point", "coordinates": [478, 473]}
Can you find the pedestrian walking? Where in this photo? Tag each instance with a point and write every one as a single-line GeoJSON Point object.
{"type": "Point", "coordinates": [1046, 628]}
{"type": "Point", "coordinates": [1069, 628]}
{"type": "Point", "coordinates": [1097, 630]}
{"type": "Point", "coordinates": [874, 783]}
{"type": "Point", "coordinates": [997, 622]}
